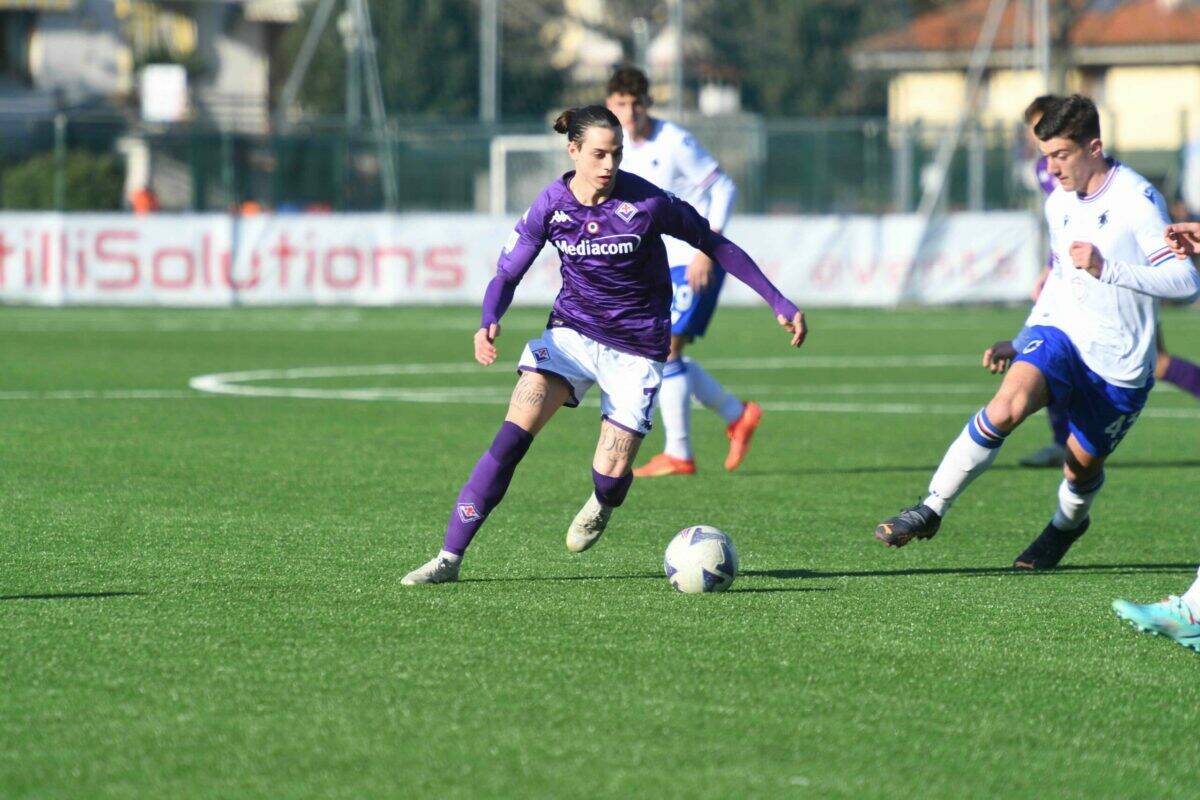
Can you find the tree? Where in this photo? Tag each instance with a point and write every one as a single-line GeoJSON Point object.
{"type": "Point", "coordinates": [428, 61]}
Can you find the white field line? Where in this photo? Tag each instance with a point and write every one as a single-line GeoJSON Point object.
{"type": "Point", "coordinates": [101, 394]}
{"type": "Point", "coordinates": [234, 383]}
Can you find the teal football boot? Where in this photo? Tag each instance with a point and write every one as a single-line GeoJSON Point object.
{"type": "Point", "coordinates": [1171, 618]}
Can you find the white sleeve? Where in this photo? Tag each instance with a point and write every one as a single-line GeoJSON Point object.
{"type": "Point", "coordinates": [1172, 279]}
{"type": "Point", "coordinates": [1160, 274]}
{"type": "Point", "coordinates": [706, 176]}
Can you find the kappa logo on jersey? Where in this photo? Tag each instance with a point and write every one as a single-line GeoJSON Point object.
{"type": "Point", "coordinates": [1066, 219]}
{"type": "Point", "coordinates": [1103, 219]}
{"type": "Point", "coordinates": [541, 354]}
{"type": "Point", "coordinates": [513, 238]}
{"type": "Point", "coordinates": [626, 211]}
{"type": "Point", "coordinates": [1034, 345]}
{"type": "Point", "coordinates": [468, 513]}
{"type": "Point", "coordinates": [560, 216]}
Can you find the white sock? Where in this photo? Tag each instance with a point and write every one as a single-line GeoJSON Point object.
{"type": "Point", "coordinates": [968, 457]}
{"type": "Point", "coordinates": [712, 394]}
{"type": "Point", "coordinates": [1192, 596]}
{"type": "Point", "coordinates": [1074, 502]}
{"type": "Point", "coordinates": [675, 403]}
{"type": "Point", "coordinates": [452, 557]}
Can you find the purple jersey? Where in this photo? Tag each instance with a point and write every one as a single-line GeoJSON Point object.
{"type": "Point", "coordinates": [1044, 178]}
{"type": "Point", "coordinates": [616, 283]}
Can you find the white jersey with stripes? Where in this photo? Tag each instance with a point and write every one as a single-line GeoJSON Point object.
{"type": "Point", "coordinates": [1113, 327]}
{"type": "Point", "coordinates": [673, 160]}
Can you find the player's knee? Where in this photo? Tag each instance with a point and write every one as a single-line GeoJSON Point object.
{"type": "Point", "coordinates": [1007, 412]}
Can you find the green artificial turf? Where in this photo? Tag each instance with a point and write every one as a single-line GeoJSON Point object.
{"type": "Point", "coordinates": [199, 594]}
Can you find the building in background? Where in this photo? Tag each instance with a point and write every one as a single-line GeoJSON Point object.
{"type": "Point", "coordinates": [1139, 60]}
{"type": "Point", "coordinates": [92, 53]}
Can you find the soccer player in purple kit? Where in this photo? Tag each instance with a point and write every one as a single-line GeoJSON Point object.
{"type": "Point", "coordinates": [610, 325]}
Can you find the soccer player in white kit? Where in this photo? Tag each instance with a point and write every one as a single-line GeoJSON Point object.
{"type": "Point", "coordinates": [1094, 350]}
{"type": "Point", "coordinates": [671, 158]}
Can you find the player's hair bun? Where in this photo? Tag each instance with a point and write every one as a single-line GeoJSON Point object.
{"type": "Point", "coordinates": [562, 123]}
{"type": "Point", "coordinates": [574, 122]}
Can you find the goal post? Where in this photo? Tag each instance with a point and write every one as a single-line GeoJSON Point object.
{"type": "Point", "coordinates": [519, 166]}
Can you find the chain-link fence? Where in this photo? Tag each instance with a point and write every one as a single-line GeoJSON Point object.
{"type": "Point", "coordinates": [807, 166]}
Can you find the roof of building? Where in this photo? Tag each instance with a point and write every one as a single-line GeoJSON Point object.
{"type": "Point", "coordinates": [1139, 31]}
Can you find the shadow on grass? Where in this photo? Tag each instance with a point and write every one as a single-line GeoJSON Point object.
{"type": "Point", "coordinates": [927, 469]}
{"type": "Point", "coordinates": [642, 576]}
{"type": "Point", "coordinates": [70, 595]}
{"type": "Point", "coordinates": [780, 588]}
{"type": "Point", "coordinates": [1069, 569]}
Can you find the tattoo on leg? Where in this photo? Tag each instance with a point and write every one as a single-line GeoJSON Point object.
{"type": "Point", "coordinates": [615, 446]}
{"type": "Point", "coordinates": [530, 393]}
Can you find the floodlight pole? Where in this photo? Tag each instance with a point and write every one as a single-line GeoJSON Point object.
{"type": "Point", "coordinates": [489, 61]}
{"type": "Point", "coordinates": [932, 194]}
{"type": "Point", "coordinates": [675, 20]}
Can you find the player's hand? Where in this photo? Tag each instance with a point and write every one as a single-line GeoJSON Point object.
{"type": "Point", "coordinates": [485, 350]}
{"type": "Point", "coordinates": [1086, 257]}
{"type": "Point", "coordinates": [700, 272]}
{"type": "Point", "coordinates": [998, 357]}
{"type": "Point", "coordinates": [1183, 238]}
{"type": "Point", "coordinates": [1041, 284]}
{"type": "Point", "coordinates": [795, 326]}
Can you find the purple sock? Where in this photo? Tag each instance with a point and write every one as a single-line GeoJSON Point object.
{"type": "Point", "coordinates": [1059, 423]}
{"type": "Point", "coordinates": [611, 491]}
{"type": "Point", "coordinates": [486, 487]}
{"type": "Point", "coordinates": [1183, 374]}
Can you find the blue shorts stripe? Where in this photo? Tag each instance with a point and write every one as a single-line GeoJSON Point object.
{"type": "Point", "coordinates": [674, 368]}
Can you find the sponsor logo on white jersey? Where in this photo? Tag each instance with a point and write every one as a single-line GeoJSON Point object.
{"type": "Point", "coordinates": [560, 216]}
{"type": "Point", "coordinates": [617, 245]}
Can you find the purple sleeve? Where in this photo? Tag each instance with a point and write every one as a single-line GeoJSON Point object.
{"type": "Point", "coordinates": [677, 218]}
{"type": "Point", "coordinates": [519, 253]}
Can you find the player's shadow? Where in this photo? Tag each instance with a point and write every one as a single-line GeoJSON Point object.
{"type": "Point", "coordinates": [926, 469]}
{"type": "Point", "coordinates": [1068, 569]}
{"type": "Point", "coordinates": [70, 595]}
{"type": "Point", "coordinates": [555, 578]}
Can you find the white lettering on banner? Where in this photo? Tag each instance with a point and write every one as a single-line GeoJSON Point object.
{"type": "Point", "coordinates": [401, 259]}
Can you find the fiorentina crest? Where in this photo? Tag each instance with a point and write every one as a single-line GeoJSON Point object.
{"type": "Point", "coordinates": [541, 354]}
{"type": "Point", "coordinates": [626, 211]}
{"type": "Point", "coordinates": [468, 513]}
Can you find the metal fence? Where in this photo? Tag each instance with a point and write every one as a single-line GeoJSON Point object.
{"type": "Point", "coordinates": [781, 165]}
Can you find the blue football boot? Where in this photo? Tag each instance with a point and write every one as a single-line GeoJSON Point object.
{"type": "Point", "coordinates": [1171, 618]}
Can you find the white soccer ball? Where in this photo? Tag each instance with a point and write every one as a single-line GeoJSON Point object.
{"type": "Point", "coordinates": [701, 559]}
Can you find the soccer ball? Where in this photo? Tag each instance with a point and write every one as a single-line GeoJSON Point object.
{"type": "Point", "coordinates": [701, 559]}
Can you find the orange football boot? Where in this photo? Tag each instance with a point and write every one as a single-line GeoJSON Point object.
{"type": "Point", "coordinates": [739, 432]}
{"type": "Point", "coordinates": [663, 464]}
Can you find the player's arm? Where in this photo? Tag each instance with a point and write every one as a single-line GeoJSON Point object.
{"type": "Point", "coordinates": [706, 175]}
{"type": "Point", "coordinates": [679, 219]}
{"type": "Point", "coordinates": [1162, 275]}
{"type": "Point", "coordinates": [1166, 277]}
{"type": "Point", "coordinates": [519, 253]}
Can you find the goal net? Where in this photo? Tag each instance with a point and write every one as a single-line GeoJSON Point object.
{"type": "Point", "coordinates": [520, 167]}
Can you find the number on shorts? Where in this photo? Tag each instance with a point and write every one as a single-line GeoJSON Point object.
{"type": "Point", "coordinates": [1120, 426]}
{"type": "Point", "coordinates": [649, 418]}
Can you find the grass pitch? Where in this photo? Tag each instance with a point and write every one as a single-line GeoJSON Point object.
{"type": "Point", "coordinates": [199, 593]}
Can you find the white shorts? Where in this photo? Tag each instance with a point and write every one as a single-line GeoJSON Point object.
{"type": "Point", "coordinates": [628, 383]}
